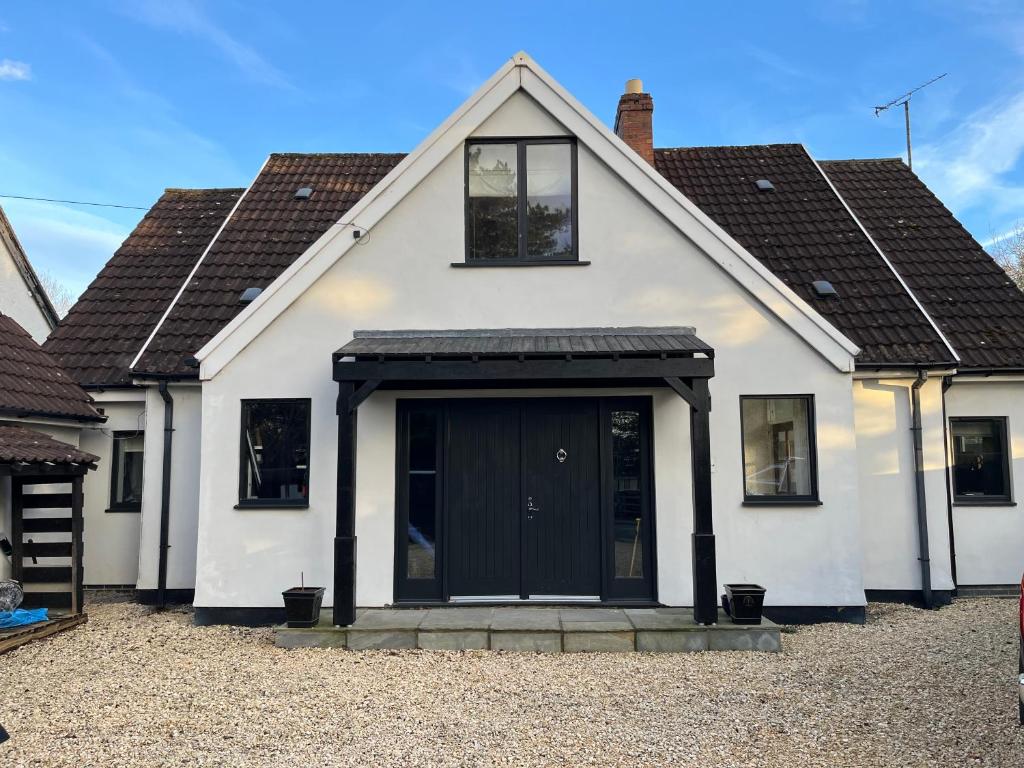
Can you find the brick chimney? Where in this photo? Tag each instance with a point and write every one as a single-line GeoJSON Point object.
{"type": "Point", "coordinates": [633, 120]}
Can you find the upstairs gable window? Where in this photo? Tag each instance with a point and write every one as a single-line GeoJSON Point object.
{"type": "Point", "coordinates": [521, 201]}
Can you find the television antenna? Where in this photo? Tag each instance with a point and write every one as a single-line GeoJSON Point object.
{"type": "Point", "coordinates": [904, 100]}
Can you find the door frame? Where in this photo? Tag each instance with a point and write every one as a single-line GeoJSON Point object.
{"type": "Point", "coordinates": [436, 591]}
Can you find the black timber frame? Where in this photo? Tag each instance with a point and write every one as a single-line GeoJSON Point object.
{"type": "Point", "coordinates": [358, 377]}
{"type": "Point", "coordinates": [42, 473]}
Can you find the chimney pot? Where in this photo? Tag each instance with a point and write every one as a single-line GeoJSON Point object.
{"type": "Point", "coordinates": [633, 120]}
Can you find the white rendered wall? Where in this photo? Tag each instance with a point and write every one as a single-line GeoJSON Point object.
{"type": "Point", "coordinates": [642, 273]}
{"type": "Point", "coordinates": [111, 538]}
{"type": "Point", "coordinates": [16, 301]}
{"type": "Point", "coordinates": [990, 539]}
{"type": "Point", "coordinates": [181, 559]}
{"type": "Point", "coordinates": [885, 460]}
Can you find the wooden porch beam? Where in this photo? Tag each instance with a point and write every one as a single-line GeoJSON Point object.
{"type": "Point", "coordinates": [345, 528]}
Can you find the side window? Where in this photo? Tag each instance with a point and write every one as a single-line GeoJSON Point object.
{"type": "Point", "coordinates": [779, 457]}
{"type": "Point", "coordinates": [275, 453]}
{"type": "Point", "coordinates": [521, 201]}
{"type": "Point", "coordinates": [126, 472]}
{"type": "Point", "coordinates": [981, 460]}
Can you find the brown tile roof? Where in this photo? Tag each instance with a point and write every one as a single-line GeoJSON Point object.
{"type": "Point", "coordinates": [269, 230]}
{"type": "Point", "coordinates": [20, 445]}
{"type": "Point", "coordinates": [108, 325]}
{"type": "Point", "coordinates": [33, 384]}
{"type": "Point", "coordinates": [802, 232]}
{"type": "Point", "coordinates": [971, 299]}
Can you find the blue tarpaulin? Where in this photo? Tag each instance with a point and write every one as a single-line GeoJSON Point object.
{"type": "Point", "coordinates": [19, 617]}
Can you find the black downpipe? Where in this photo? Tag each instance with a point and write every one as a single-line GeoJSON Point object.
{"type": "Point", "coordinates": [165, 496]}
{"type": "Point", "coordinates": [922, 504]}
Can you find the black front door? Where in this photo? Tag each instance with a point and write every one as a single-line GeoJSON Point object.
{"type": "Point", "coordinates": [524, 498]}
{"type": "Point", "coordinates": [561, 487]}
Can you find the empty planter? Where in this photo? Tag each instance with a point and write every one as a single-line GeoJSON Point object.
{"type": "Point", "coordinates": [744, 603]}
{"type": "Point", "coordinates": [302, 606]}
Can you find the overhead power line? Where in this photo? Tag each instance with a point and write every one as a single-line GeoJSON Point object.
{"type": "Point", "coordinates": [75, 202]}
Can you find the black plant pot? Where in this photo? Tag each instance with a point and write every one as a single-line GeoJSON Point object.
{"type": "Point", "coordinates": [302, 606]}
{"type": "Point", "coordinates": [744, 603]}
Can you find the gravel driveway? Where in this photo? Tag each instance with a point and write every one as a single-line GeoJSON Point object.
{"type": "Point", "coordinates": [143, 689]}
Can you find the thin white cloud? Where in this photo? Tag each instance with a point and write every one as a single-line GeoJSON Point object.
{"type": "Point", "coordinates": [14, 70]}
{"type": "Point", "coordinates": [71, 244]}
{"type": "Point", "coordinates": [185, 17]}
{"type": "Point", "coordinates": [973, 165]}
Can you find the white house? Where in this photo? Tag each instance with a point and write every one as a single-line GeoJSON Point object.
{"type": "Point", "coordinates": [539, 360]}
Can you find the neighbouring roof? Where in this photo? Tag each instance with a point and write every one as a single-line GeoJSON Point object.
{"type": "Point", "coordinates": [269, 230]}
{"type": "Point", "coordinates": [33, 384]}
{"type": "Point", "coordinates": [19, 445]}
{"type": "Point", "coordinates": [802, 232]}
{"type": "Point", "coordinates": [32, 283]}
{"type": "Point", "coordinates": [527, 342]}
{"type": "Point", "coordinates": [974, 302]}
{"type": "Point", "coordinates": [111, 321]}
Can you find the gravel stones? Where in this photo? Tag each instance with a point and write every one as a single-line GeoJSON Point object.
{"type": "Point", "coordinates": [138, 688]}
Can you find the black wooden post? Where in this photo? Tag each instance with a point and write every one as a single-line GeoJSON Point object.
{"type": "Point", "coordinates": [705, 579]}
{"type": "Point", "coordinates": [345, 533]}
{"type": "Point", "coordinates": [17, 529]}
{"type": "Point", "coordinates": [77, 545]}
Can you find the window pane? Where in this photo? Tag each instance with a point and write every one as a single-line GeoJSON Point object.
{"type": "Point", "coordinates": [776, 447]}
{"type": "Point", "coordinates": [626, 495]}
{"type": "Point", "coordinates": [549, 201]}
{"type": "Point", "coordinates": [422, 532]}
{"type": "Point", "coordinates": [275, 462]}
{"type": "Point", "coordinates": [493, 202]}
{"type": "Point", "coordinates": [979, 461]}
{"type": "Point", "coordinates": [127, 470]}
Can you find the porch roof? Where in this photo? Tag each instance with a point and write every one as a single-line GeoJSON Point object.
{"type": "Point", "coordinates": [21, 446]}
{"type": "Point", "coordinates": [526, 343]}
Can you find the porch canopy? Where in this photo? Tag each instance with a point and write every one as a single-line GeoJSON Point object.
{"type": "Point", "coordinates": [515, 358]}
{"type": "Point", "coordinates": [33, 458]}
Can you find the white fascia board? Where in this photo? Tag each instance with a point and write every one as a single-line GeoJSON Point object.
{"type": "Point", "coordinates": [195, 268]}
{"type": "Point", "coordinates": [521, 72]}
{"type": "Point", "coordinates": [900, 373]}
{"type": "Point", "coordinates": [966, 377]}
{"type": "Point", "coordinates": [882, 255]}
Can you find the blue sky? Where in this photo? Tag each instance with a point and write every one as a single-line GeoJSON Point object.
{"type": "Point", "coordinates": [114, 101]}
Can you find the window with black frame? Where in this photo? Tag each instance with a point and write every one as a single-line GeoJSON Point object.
{"type": "Point", "coordinates": [521, 201]}
{"type": "Point", "coordinates": [779, 463]}
{"type": "Point", "coordinates": [126, 472]}
{"type": "Point", "coordinates": [274, 453]}
{"type": "Point", "coordinates": [981, 460]}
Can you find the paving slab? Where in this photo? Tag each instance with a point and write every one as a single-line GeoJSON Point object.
{"type": "Point", "coordinates": [546, 642]}
{"type": "Point", "coordinates": [458, 619]}
{"type": "Point", "coordinates": [526, 619]}
{"type": "Point", "coordinates": [388, 619]}
{"type": "Point", "coordinates": [443, 640]}
{"type": "Point", "coordinates": [595, 620]}
{"type": "Point", "coordinates": [602, 642]}
{"type": "Point", "coordinates": [672, 641]}
{"type": "Point", "coordinates": [310, 638]}
{"type": "Point", "coordinates": [663, 618]}
{"type": "Point", "coordinates": [751, 640]}
{"type": "Point", "coordinates": [372, 639]}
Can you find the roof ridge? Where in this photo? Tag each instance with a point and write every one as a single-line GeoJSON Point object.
{"type": "Point", "coordinates": [788, 145]}
{"type": "Point", "coordinates": [866, 160]}
{"type": "Point", "coordinates": [203, 189]}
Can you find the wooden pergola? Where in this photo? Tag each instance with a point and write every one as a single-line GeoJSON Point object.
{"type": "Point", "coordinates": [46, 503]}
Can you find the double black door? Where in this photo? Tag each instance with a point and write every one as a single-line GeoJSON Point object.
{"type": "Point", "coordinates": [521, 502]}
